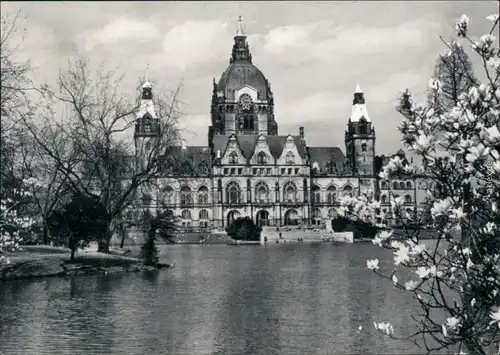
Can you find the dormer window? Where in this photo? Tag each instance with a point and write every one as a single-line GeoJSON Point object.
{"type": "Point", "coordinates": [262, 158]}
{"type": "Point", "coordinates": [233, 158]}
{"type": "Point", "coordinates": [290, 158]}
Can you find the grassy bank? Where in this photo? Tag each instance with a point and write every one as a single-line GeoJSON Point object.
{"type": "Point", "coordinates": [45, 261]}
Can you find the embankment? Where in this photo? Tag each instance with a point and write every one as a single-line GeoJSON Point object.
{"type": "Point", "coordinates": [46, 261]}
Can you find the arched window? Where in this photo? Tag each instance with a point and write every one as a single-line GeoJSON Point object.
{"type": "Point", "coordinates": [186, 198]}
{"type": "Point", "coordinates": [203, 168]}
{"type": "Point", "coordinates": [186, 214]}
{"type": "Point", "coordinates": [384, 199]}
{"type": "Point", "coordinates": [233, 192]}
{"type": "Point", "coordinates": [409, 212]}
{"type": "Point", "coordinates": [289, 192]}
{"type": "Point", "coordinates": [401, 185]}
{"type": "Point", "coordinates": [316, 194]}
{"type": "Point", "coordinates": [203, 214]}
{"type": "Point", "coordinates": [364, 147]}
{"type": "Point", "coordinates": [148, 145]}
{"type": "Point", "coordinates": [290, 158]}
{"type": "Point", "coordinates": [261, 192]}
{"type": "Point", "coordinates": [408, 185]}
{"type": "Point", "coordinates": [316, 213]}
{"type": "Point", "coordinates": [384, 185]}
{"type": "Point", "coordinates": [262, 158]}
{"type": "Point", "coordinates": [247, 115]}
{"type": "Point", "coordinates": [395, 185]}
{"type": "Point", "coordinates": [347, 191]}
{"type": "Point", "coordinates": [168, 195]}
{"type": "Point", "coordinates": [332, 213]}
{"type": "Point", "coordinates": [331, 194]}
{"type": "Point", "coordinates": [203, 195]}
{"type": "Point", "coordinates": [363, 127]}
{"type": "Point", "coordinates": [407, 199]}
{"type": "Point", "coordinates": [233, 158]}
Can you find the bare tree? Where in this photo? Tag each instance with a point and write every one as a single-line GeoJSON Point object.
{"type": "Point", "coordinates": [455, 73]}
{"type": "Point", "coordinates": [13, 74]}
{"type": "Point", "coordinates": [100, 161]}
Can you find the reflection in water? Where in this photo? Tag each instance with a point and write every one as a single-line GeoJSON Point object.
{"type": "Point", "coordinates": [274, 299]}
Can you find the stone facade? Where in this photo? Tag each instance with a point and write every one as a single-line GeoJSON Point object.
{"type": "Point", "coordinates": [248, 169]}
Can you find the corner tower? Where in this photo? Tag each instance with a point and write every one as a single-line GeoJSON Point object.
{"type": "Point", "coordinates": [242, 100]}
{"type": "Point", "coordinates": [360, 137]}
{"type": "Point", "coordinates": [147, 127]}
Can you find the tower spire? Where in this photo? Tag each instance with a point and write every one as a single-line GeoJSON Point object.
{"type": "Point", "coordinates": [241, 51]}
{"type": "Point", "coordinates": [240, 31]}
{"type": "Point", "coordinates": [147, 72]}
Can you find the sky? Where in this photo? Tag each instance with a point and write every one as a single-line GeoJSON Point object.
{"type": "Point", "coordinates": [313, 53]}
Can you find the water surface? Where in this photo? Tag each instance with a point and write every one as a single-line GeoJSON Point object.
{"type": "Point", "coordinates": [219, 299]}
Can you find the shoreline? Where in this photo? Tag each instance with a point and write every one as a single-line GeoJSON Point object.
{"type": "Point", "coordinates": [36, 261]}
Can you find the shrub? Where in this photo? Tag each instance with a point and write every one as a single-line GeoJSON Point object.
{"type": "Point", "coordinates": [244, 228]}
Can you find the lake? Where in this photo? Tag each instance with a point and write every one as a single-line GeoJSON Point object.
{"type": "Point", "coordinates": [219, 299]}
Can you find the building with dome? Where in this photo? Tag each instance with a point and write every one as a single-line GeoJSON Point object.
{"type": "Point", "coordinates": [250, 168]}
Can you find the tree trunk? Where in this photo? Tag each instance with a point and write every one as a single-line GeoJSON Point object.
{"type": "Point", "coordinates": [72, 245]}
{"type": "Point", "coordinates": [45, 232]}
{"type": "Point", "coordinates": [123, 235]}
{"type": "Point", "coordinates": [103, 244]}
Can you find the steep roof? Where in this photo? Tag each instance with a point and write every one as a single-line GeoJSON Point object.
{"type": "Point", "coordinates": [327, 158]}
{"type": "Point", "coordinates": [187, 160]}
{"type": "Point", "coordinates": [247, 144]}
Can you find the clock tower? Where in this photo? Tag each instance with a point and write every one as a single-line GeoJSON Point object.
{"type": "Point", "coordinates": [242, 100]}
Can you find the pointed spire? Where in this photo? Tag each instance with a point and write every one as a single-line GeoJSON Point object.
{"type": "Point", "coordinates": [240, 31]}
{"type": "Point", "coordinates": [147, 84]}
{"type": "Point", "coordinates": [359, 98]}
{"type": "Point", "coordinates": [358, 89]}
{"type": "Point", "coordinates": [241, 51]}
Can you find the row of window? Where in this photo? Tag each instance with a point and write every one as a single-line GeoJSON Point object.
{"type": "Point", "coordinates": [397, 185]}
{"type": "Point", "coordinates": [385, 199]}
{"type": "Point", "coordinates": [262, 158]}
{"type": "Point", "coordinates": [262, 171]}
{"type": "Point", "coordinates": [234, 194]}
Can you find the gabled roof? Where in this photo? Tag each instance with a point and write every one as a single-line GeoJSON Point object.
{"type": "Point", "coordinates": [247, 144]}
{"type": "Point", "coordinates": [326, 157]}
{"type": "Point", "coordinates": [188, 160]}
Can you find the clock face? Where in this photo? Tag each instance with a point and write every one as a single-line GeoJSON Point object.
{"type": "Point", "coordinates": [245, 102]}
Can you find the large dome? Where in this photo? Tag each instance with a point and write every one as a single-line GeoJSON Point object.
{"type": "Point", "coordinates": [242, 73]}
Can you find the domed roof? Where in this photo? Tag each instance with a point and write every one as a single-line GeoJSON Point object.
{"type": "Point", "coordinates": [242, 73]}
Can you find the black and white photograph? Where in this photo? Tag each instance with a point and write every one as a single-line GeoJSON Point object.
{"type": "Point", "coordinates": [250, 177]}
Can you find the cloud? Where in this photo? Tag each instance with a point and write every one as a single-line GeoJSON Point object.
{"type": "Point", "coordinates": [196, 42]}
{"type": "Point", "coordinates": [119, 30]}
{"type": "Point", "coordinates": [326, 40]}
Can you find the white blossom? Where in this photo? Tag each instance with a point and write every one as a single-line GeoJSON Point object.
{"type": "Point", "coordinates": [496, 317]}
{"type": "Point", "coordinates": [384, 327]}
{"type": "Point", "coordinates": [492, 18]}
{"type": "Point", "coordinates": [461, 26]}
{"type": "Point", "coordinates": [372, 264]}
{"type": "Point", "coordinates": [411, 285]}
{"type": "Point", "coordinates": [401, 255]}
{"type": "Point", "coordinates": [452, 323]}
{"type": "Point", "coordinates": [423, 272]}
